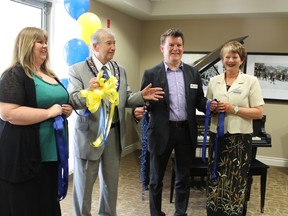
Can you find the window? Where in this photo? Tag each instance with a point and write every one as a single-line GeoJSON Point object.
{"type": "Point", "coordinates": [14, 16]}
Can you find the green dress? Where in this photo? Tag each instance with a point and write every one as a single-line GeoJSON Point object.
{"type": "Point", "coordinates": [47, 95]}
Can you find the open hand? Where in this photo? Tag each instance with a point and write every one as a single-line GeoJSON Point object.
{"type": "Point", "coordinates": [150, 93]}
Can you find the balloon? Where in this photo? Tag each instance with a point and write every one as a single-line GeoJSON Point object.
{"type": "Point", "coordinates": [65, 82]}
{"type": "Point", "coordinates": [89, 23]}
{"type": "Point", "coordinates": [76, 8]}
{"type": "Point", "coordinates": [75, 50]}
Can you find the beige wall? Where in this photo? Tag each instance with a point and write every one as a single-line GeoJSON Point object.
{"type": "Point", "coordinates": [138, 48]}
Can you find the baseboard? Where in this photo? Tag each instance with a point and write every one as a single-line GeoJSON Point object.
{"type": "Point", "coordinates": [131, 148]}
{"type": "Point", "coordinates": [273, 161]}
{"type": "Point", "coordinates": [270, 161]}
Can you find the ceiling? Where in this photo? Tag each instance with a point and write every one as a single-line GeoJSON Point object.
{"type": "Point", "coordinates": [190, 9]}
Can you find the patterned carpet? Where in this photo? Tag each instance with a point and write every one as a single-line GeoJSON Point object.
{"type": "Point", "coordinates": [131, 204]}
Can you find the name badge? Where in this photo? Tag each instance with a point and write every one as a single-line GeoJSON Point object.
{"type": "Point", "coordinates": [194, 86]}
{"type": "Point", "coordinates": [237, 91]}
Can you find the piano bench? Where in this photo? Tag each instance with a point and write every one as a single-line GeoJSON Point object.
{"type": "Point", "coordinates": [199, 169]}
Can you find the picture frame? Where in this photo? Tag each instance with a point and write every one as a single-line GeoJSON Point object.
{"type": "Point", "coordinates": [191, 57]}
{"type": "Point", "coordinates": [271, 69]}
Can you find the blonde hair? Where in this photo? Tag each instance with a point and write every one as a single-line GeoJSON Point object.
{"type": "Point", "coordinates": [235, 47]}
{"type": "Point", "coordinates": [23, 51]}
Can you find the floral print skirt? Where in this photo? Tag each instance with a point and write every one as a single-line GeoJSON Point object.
{"type": "Point", "coordinates": [226, 193]}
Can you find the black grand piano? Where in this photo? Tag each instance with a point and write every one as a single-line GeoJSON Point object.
{"type": "Point", "coordinates": [209, 60]}
{"type": "Point", "coordinates": [260, 137]}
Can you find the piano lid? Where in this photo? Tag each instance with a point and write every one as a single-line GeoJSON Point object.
{"type": "Point", "coordinates": [213, 57]}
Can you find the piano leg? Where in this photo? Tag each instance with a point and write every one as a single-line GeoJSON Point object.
{"type": "Point", "coordinates": [263, 189]}
{"type": "Point", "coordinates": [248, 190]}
{"type": "Point", "coordinates": [260, 169]}
{"type": "Point", "coordinates": [244, 209]}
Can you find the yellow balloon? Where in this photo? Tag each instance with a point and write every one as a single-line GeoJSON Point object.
{"type": "Point", "coordinates": [89, 23]}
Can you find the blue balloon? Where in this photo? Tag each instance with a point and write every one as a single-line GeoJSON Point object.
{"type": "Point", "coordinates": [76, 8]}
{"type": "Point", "coordinates": [65, 82]}
{"type": "Point", "coordinates": [75, 50]}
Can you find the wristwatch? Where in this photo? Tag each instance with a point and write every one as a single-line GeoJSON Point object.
{"type": "Point", "coordinates": [236, 110]}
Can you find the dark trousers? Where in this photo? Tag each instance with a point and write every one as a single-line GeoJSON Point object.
{"type": "Point", "coordinates": [180, 141]}
{"type": "Point", "coordinates": [34, 197]}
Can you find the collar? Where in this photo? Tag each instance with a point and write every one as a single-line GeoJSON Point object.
{"type": "Point", "coordinates": [167, 67]}
{"type": "Point", "coordinates": [239, 79]}
{"type": "Point", "coordinates": [99, 65]}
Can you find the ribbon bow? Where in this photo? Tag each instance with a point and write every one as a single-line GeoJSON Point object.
{"type": "Point", "coordinates": [94, 98]}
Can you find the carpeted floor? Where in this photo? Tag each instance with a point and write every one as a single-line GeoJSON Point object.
{"type": "Point", "coordinates": [131, 204]}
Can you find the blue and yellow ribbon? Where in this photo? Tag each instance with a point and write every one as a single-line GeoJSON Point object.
{"type": "Point", "coordinates": [94, 99]}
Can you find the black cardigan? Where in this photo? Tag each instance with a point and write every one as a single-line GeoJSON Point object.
{"type": "Point", "coordinates": [20, 155]}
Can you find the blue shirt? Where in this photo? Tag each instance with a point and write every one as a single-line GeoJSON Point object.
{"type": "Point", "coordinates": [177, 99]}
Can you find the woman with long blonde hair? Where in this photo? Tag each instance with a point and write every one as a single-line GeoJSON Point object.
{"type": "Point", "coordinates": [31, 96]}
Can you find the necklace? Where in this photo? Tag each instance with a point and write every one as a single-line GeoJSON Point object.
{"type": "Point", "coordinates": [113, 64]}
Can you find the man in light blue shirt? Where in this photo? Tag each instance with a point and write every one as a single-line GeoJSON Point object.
{"type": "Point", "coordinates": [172, 124]}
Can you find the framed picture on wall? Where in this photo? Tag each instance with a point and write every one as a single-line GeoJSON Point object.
{"type": "Point", "coordinates": [271, 69]}
{"type": "Point", "coordinates": [193, 57]}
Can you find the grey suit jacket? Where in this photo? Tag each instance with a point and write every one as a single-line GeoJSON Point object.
{"type": "Point", "coordinates": [86, 128]}
{"type": "Point", "coordinates": [158, 128]}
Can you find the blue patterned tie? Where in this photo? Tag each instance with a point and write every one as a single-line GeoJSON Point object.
{"type": "Point", "coordinates": [105, 72]}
